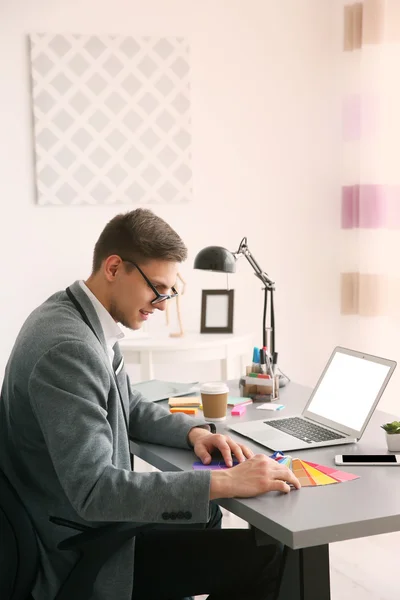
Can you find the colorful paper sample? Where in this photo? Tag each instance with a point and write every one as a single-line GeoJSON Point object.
{"type": "Point", "coordinates": [309, 474]}
{"type": "Point", "coordinates": [312, 474]}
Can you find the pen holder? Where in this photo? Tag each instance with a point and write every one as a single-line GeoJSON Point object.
{"type": "Point", "coordinates": [259, 389]}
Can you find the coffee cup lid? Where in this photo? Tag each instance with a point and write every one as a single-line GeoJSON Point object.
{"type": "Point", "coordinates": [215, 387]}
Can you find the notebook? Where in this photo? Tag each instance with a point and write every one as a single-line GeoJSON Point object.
{"type": "Point", "coordinates": [156, 390]}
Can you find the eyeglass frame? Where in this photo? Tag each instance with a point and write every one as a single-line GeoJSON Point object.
{"type": "Point", "coordinates": [159, 297]}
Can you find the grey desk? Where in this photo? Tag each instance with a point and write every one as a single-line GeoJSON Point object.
{"type": "Point", "coordinates": [308, 520]}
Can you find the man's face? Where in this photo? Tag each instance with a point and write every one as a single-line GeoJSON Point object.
{"type": "Point", "coordinates": [131, 295]}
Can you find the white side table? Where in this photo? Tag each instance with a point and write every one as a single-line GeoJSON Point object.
{"type": "Point", "coordinates": [192, 347]}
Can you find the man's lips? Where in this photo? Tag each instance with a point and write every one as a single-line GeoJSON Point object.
{"type": "Point", "coordinates": [145, 314]}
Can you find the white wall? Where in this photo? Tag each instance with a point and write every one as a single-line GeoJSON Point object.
{"type": "Point", "coordinates": [265, 162]}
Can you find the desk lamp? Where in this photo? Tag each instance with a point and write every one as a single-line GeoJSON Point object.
{"type": "Point", "coordinates": [219, 259]}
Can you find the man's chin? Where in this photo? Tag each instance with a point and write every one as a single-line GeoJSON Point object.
{"type": "Point", "coordinates": [134, 325]}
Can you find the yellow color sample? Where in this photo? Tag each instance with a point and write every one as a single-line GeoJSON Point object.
{"type": "Point", "coordinates": [318, 477]}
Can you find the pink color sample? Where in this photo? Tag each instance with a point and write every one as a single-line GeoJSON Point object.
{"type": "Point", "coordinates": [238, 410]}
{"type": "Point", "coordinates": [334, 473]}
{"type": "Point", "coordinates": [373, 209]}
{"type": "Point", "coordinates": [366, 206]}
{"type": "Point", "coordinates": [350, 206]}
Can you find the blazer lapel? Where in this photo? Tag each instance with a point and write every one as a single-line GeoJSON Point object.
{"type": "Point", "coordinates": [90, 313]}
{"type": "Point", "coordinates": [117, 369]}
{"type": "Point", "coordinates": [120, 375]}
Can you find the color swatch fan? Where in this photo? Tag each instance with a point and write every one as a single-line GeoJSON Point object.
{"type": "Point", "coordinates": [311, 474]}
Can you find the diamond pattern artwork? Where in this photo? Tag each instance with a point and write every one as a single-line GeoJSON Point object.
{"type": "Point", "coordinates": [111, 119]}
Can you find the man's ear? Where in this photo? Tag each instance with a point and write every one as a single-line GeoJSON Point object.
{"type": "Point", "coordinates": [112, 264]}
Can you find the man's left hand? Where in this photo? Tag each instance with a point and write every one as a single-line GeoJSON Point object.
{"type": "Point", "coordinates": [204, 443]}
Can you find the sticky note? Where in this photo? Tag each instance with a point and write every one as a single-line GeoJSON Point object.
{"type": "Point", "coordinates": [234, 400]}
{"type": "Point", "coordinates": [238, 410]}
{"type": "Point", "coordinates": [270, 406]}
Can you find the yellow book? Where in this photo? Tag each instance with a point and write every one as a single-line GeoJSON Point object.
{"type": "Point", "coordinates": [183, 409]}
{"type": "Point", "coordinates": [188, 401]}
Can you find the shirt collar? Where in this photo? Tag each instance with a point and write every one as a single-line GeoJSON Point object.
{"type": "Point", "coordinates": [112, 332]}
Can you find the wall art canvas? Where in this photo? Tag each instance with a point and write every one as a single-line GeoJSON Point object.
{"type": "Point", "coordinates": [111, 117]}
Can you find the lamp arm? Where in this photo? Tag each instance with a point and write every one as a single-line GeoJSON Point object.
{"type": "Point", "coordinates": [269, 288]}
{"type": "Point", "coordinates": [244, 249]}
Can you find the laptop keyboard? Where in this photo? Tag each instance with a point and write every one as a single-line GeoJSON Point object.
{"type": "Point", "coordinates": [304, 430]}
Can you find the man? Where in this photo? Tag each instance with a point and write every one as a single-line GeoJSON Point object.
{"type": "Point", "coordinates": [65, 414]}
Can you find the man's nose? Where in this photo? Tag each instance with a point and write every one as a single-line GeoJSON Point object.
{"type": "Point", "coordinates": [161, 305]}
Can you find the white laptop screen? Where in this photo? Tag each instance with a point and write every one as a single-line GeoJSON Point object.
{"type": "Point", "coordinates": [348, 390]}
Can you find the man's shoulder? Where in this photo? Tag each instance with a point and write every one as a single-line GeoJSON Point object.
{"type": "Point", "coordinates": [57, 315]}
{"type": "Point", "coordinates": [53, 322]}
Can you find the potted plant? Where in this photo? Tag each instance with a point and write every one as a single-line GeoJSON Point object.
{"type": "Point", "coordinates": [392, 435]}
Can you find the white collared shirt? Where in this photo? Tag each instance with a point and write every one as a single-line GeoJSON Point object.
{"type": "Point", "coordinates": [112, 332]}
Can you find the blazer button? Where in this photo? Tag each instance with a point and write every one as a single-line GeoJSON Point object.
{"type": "Point", "coordinates": [173, 516]}
{"type": "Point", "coordinates": [181, 515]}
{"type": "Point", "coordinates": [188, 515]}
{"type": "Point", "coordinates": [165, 516]}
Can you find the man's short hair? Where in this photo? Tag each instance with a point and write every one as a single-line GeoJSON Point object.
{"type": "Point", "coordinates": [140, 236]}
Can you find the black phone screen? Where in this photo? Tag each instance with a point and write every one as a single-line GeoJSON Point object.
{"type": "Point", "coordinates": [376, 458]}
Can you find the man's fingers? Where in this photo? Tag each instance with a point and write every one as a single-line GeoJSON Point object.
{"type": "Point", "coordinates": [226, 452]}
{"type": "Point", "coordinates": [236, 449]}
{"type": "Point", "coordinates": [246, 451]}
{"type": "Point", "coordinates": [203, 455]}
{"type": "Point", "coordinates": [280, 486]}
{"type": "Point", "coordinates": [285, 474]}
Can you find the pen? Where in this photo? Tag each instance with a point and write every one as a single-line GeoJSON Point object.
{"type": "Point", "coordinates": [256, 360]}
{"type": "Point", "coordinates": [263, 366]}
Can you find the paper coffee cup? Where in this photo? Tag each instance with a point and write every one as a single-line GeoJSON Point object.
{"type": "Point", "coordinates": [214, 398]}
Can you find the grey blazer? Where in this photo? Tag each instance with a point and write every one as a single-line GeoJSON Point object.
{"type": "Point", "coordinates": [64, 446]}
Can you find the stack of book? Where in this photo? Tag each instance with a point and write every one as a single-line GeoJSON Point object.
{"type": "Point", "coordinates": [188, 405]}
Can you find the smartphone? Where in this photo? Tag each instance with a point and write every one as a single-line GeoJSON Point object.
{"type": "Point", "coordinates": [368, 460]}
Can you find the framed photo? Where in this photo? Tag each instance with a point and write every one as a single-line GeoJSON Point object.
{"type": "Point", "coordinates": [217, 311]}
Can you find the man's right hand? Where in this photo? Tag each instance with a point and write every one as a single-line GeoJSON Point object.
{"type": "Point", "coordinates": [257, 475]}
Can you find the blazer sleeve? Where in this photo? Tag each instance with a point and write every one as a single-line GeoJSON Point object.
{"type": "Point", "coordinates": [68, 391]}
{"type": "Point", "coordinates": [152, 422]}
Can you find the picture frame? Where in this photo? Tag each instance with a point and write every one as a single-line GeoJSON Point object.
{"type": "Point", "coordinates": [217, 311]}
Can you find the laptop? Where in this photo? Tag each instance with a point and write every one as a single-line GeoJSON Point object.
{"type": "Point", "coordinates": [338, 410]}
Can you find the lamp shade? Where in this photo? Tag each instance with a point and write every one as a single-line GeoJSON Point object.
{"type": "Point", "coordinates": [215, 258]}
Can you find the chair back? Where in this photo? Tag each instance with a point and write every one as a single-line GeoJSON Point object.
{"type": "Point", "coordinates": [18, 546]}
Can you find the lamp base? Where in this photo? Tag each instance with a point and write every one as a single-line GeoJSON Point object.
{"type": "Point", "coordinates": [283, 380]}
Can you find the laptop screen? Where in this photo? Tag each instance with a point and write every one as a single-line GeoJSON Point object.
{"type": "Point", "coordinates": [348, 390]}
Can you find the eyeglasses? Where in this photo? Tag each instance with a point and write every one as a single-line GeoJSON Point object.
{"type": "Point", "coordinates": [159, 297]}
